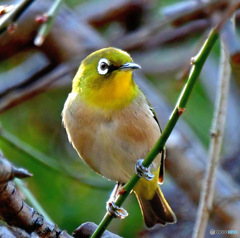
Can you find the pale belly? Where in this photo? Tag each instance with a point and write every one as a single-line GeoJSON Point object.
{"type": "Point", "coordinates": [111, 145]}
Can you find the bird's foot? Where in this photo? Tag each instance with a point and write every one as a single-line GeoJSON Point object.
{"type": "Point", "coordinates": [112, 208]}
{"type": "Point", "coordinates": [143, 172]}
{"type": "Point", "coordinates": [116, 211]}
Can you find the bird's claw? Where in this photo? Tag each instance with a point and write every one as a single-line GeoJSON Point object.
{"type": "Point", "coordinates": [116, 211]}
{"type": "Point", "coordinates": [143, 172]}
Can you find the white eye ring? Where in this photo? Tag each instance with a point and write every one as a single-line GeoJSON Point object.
{"type": "Point", "coordinates": [103, 66]}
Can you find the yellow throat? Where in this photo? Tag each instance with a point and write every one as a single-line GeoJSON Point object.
{"type": "Point", "coordinates": [115, 93]}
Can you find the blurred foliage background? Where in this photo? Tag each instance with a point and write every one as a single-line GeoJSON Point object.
{"type": "Point", "coordinates": [35, 82]}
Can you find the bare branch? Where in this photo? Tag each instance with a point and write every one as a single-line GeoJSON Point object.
{"type": "Point", "coordinates": [46, 25]}
{"type": "Point", "coordinates": [13, 15]}
{"type": "Point", "coordinates": [217, 132]}
{"type": "Point", "coordinates": [234, 5]}
{"type": "Point", "coordinates": [25, 220]}
{"type": "Point", "coordinates": [231, 41]}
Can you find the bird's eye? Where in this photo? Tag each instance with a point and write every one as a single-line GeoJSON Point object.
{"type": "Point", "coordinates": [103, 66]}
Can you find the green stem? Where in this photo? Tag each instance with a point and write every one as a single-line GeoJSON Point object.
{"type": "Point", "coordinates": [13, 15]}
{"type": "Point", "coordinates": [198, 63]}
{"type": "Point", "coordinates": [32, 199]}
{"type": "Point", "coordinates": [46, 27]}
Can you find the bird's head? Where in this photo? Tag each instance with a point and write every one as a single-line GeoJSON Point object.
{"type": "Point", "coordinates": [104, 79]}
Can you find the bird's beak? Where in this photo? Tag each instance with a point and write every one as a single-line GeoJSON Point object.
{"type": "Point", "coordinates": [130, 66]}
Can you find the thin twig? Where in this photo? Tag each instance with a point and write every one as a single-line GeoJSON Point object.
{"type": "Point", "coordinates": [231, 9]}
{"type": "Point", "coordinates": [231, 41]}
{"type": "Point", "coordinates": [13, 15]}
{"type": "Point", "coordinates": [47, 25]}
{"type": "Point", "coordinates": [218, 126]}
{"type": "Point", "coordinates": [198, 63]}
{"type": "Point", "coordinates": [5, 9]}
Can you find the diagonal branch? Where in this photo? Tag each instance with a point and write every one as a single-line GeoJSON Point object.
{"type": "Point", "coordinates": [217, 132]}
{"type": "Point", "coordinates": [23, 219]}
{"type": "Point", "coordinates": [47, 25]}
{"type": "Point", "coordinates": [13, 15]}
{"type": "Point", "coordinates": [197, 64]}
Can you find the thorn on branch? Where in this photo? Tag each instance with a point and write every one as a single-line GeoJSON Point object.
{"type": "Point", "coordinates": [181, 111]}
{"type": "Point", "coordinates": [214, 133]}
{"type": "Point", "coordinates": [122, 191]}
{"type": "Point", "coordinates": [42, 18]}
{"type": "Point", "coordinates": [193, 60]}
{"type": "Point", "coordinates": [9, 172]}
{"type": "Point", "coordinates": [2, 10]}
{"type": "Point", "coordinates": [11, 28]}
{"type": "Point", "coordinates": [5, 9]}
{"type": "Point", "coordinates": [47, 22]}
{"type": "Point", "coordinates": [20, 173]}
{"type": "Point", "coordinates": [14, 12]}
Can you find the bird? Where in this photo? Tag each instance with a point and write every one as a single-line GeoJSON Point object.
{"type": "Point", "coordinates": [112, 126]}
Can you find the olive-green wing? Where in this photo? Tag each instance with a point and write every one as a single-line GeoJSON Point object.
{"type": "Point", "coordinates": [163, 155]}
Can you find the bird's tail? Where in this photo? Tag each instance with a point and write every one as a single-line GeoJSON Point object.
{"type": "Point", "coordinates": [156, 210]}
